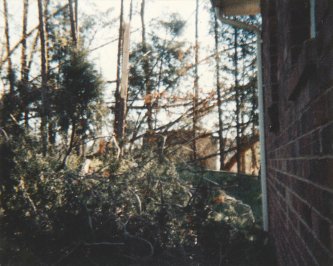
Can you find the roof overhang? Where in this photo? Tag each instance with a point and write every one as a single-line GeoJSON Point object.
{"type": "Point", "coordinates": [237, 7]}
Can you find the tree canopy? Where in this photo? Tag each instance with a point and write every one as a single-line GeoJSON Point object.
{"type": "Point", "coordinates": [99, 171]}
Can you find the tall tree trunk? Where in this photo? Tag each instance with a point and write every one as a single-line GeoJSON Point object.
{"type": "Point", "coordinates": [17, 45]}
{"type": "Point", "coordinates": [125, 66]}
{"type": "Point", "coordinates": [46, 36]}
{"type": "Point", "coordinates": [218, 90]}
{"type": "Point", "coordinates": [148, 103]}
{"type": "Point", "coordinates": [24, 66]}
{"type": "Point", "coordinates": [73, 14]}
{"type": "Point", "coordinates": [131, 12]}
{"type": "Point", "coordinates": [237, 98]}
{"type": "Point", "coordinates": [76, 17]}
{"type": "Point", "coordinates": [51, 133]}
{"type": "Point", "coordinates": [10, 64]}
{"type": "Point", "coordinates": [124, 83]}
{"type": "Point", "coordinates": [118, 125]}
{"type": "Point", "coordinates": [24, 42]}
{"type": "Point", "coordinates": [44, 78]}
{"type": "Point", "coordinates": [32, 53]}
{"type": "Point", "coordinates": [196, 82]}
{"type": "Point", "coordinates": [72, 22]}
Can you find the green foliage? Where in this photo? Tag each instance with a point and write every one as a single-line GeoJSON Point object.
{"type": "Point", "coordinates": [173, 24]}
{"type": "Point", "coordinates": [140, 209]}
{"type": "Point", "coordinates": [14, 103]}
{"type": "Point", "coordinates": [166, 58]}
{"type": "Point", "coordinates": [80, 87]}
{"type": "Point", "coordinates": [135, 209]}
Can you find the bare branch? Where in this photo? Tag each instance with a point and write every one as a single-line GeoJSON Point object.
{"type": "Point", "coordinates": [29, 34]}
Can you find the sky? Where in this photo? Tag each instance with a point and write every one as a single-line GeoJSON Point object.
{"type": "Point", "coordinates": [105, 58]}
{"type": "Point", "coordinates": [154, 9]}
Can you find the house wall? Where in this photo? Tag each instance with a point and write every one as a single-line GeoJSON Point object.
{"type": "Point", "coordinates": [298, 86]}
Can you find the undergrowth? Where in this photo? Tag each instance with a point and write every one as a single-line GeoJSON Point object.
{"type": "Point", "coordinates": [139, 210]}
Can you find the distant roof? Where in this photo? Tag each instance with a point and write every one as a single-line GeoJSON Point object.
{"type": "Point", "coordinates": [237, 7]}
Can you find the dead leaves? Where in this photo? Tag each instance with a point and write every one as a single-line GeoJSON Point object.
{"type": "Point", "coordinates": [154, 97]}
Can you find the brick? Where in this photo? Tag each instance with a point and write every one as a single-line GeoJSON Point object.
{"type": "Point", "coordinates": [285, 179]}
{"type": "Point", "coordinates": [322, 7]}
{"type": "Point", "coordinates": [295, 149]}
{"type": "Point", "coordinates": [322, 228]}
{"type": "Point", "coordinates": [319, 110]}
{"type": "Point", "coordinates": [321, 172]}
{"type": "Point", "coordinates": [307, 258]}
{"type": "Point", "coordinates": [324, 233]}
{"type": "Point", "coordinates": [294, 220]}
{"type": "Point", "coordinates": [295, 203]}
{"type": "Point", "coordinates": [300, 169]}
{"type": "Point", "coordinates": [330, 104]}
{"type": "Point", "coordinates": [327, 140]}
{"type": "Point", "coordinates": [331, 237]}
{"type": "Point", "coordinates": [320, 200]}
{"type": "Point", "coordinates": [282, 189]}
{"type": "Point", "coordinates": [302, 189]}
{"type": "Point", "coordinates": [315, 143]}
{"type": "Point", "coordinates": [305, 212]}
{"type": "Point", "coordinates": [305, 145]}
{"type": "Point", "coordinates": [323, 258]}
{"type": "Point", "coordinates": [307, 121]}
{"type": "Point", "coordinates": [314, 91]}
{"type": "Point", "coordinates": [307, 237]}
{"type": "Point", "coordinates": [305, 171]}
{"type": "Point", "coordinates": [330, 208]}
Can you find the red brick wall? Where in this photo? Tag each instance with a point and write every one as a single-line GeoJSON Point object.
{"type": "Point", "coordinates": [298, 85]}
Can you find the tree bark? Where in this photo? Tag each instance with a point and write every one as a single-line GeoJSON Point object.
{"type": "Point", "coordinates": [122, 101]}
{"type": "Point", "coordinates": [237, 98]}
{"type": "Point", "coordinates": [24, 66]}
{"type": "Point", "coordinates": [122, 82]}
{"type": "Point", "coordinates": [118, 125]}
{"type": "Point", "coordinates": [10, 65]}
{"type": "Point", "coordinates": [146, 68]}
{"type": "Point", "coordinates": [44, 78]}
{"type": "Point", "coordinates": [32, 53]}
{"type": "Point", "coordinates": [72, 22]}
{"type": "Point", "coordinates": [24, 42]}
{"type": "Point", "coordinates": [51, 133]}
{"type": "Point", "coordinates": [46, 36]}
{"type": "Point", "coordinates": [218, 90]}
{"type": "Point", "coordinates": [12, 50]}
{"type": "Point", "coordinates": [196, 82]}
{"type": "Point", "coordinates": [76, 17]}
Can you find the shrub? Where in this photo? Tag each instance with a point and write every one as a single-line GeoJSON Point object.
{"type": "Point", "coordinates": [138, 210]}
